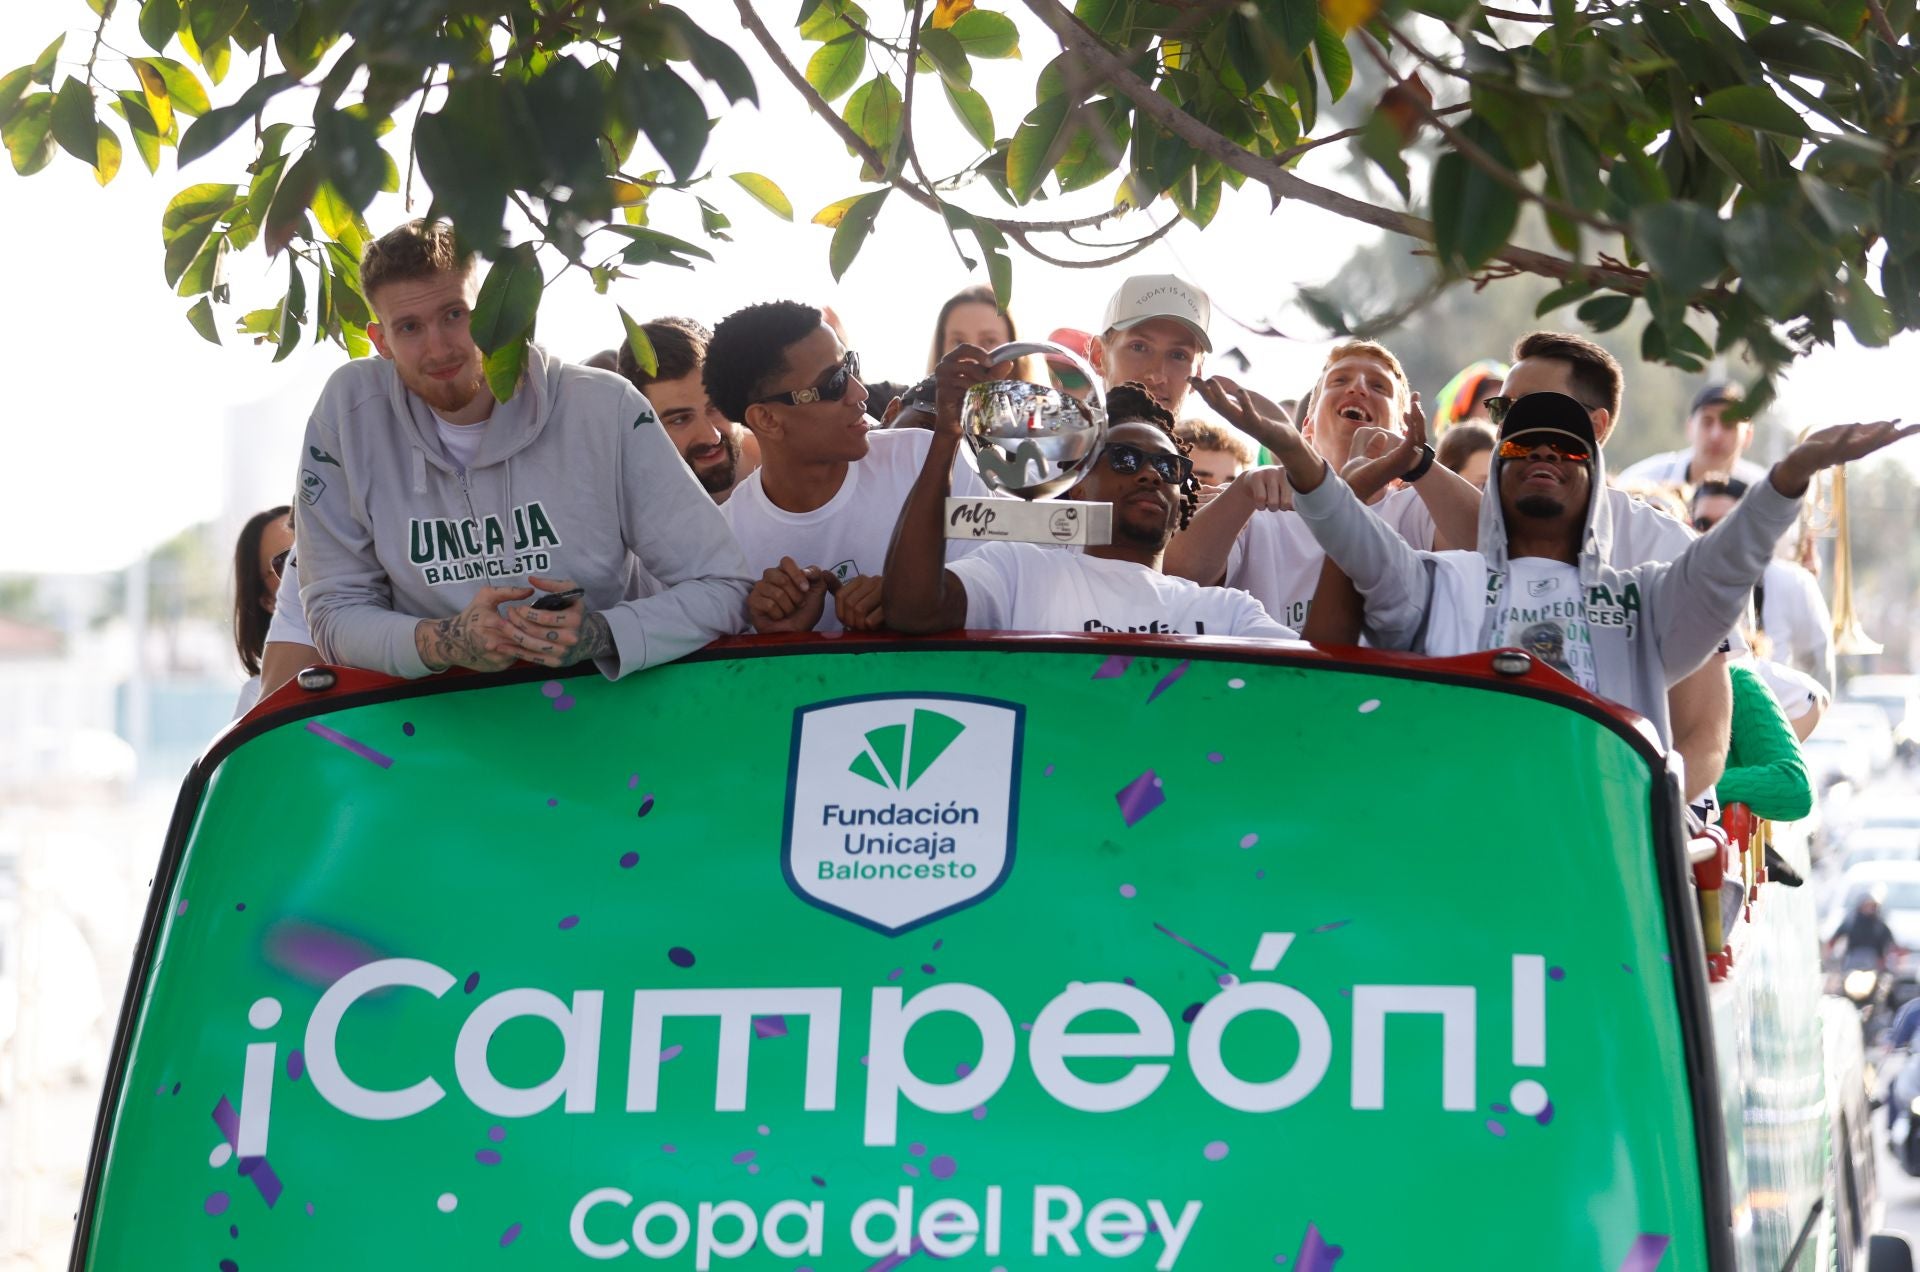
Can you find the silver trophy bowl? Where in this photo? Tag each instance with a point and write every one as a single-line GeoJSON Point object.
{"type": "Point", "coordinates": [1032, 441]}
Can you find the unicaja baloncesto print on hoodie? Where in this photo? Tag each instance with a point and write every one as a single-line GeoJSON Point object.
{"type": "Point", "coordinates": [574, 479]}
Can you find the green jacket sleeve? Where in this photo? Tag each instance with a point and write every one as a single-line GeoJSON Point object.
{"type": "Point", "coordinates": [1765, 770]}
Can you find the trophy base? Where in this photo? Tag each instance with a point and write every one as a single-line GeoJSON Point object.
{"type": "Point", "coordinates": [1041, 521]}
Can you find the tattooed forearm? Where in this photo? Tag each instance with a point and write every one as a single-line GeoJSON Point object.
{"type": "Point", "coordinates": [445, 642]}
{"type": "Point", "coordinates": [596, 640]}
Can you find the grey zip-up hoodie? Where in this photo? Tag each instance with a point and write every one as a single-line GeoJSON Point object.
{"type": "Point", "coordinates": [1651, 625]}
{"type": "Point", "coordinates": [575, 478]}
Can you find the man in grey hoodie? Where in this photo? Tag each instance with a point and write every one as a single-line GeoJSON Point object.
{"type": "Point", "coordinates": [425, 502]}
{"type": "Point", "coordinates": [1540, 579]}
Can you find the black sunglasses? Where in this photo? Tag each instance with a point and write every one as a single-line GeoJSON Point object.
{"type": "Point", "coordinates": [1126, 460]}
{"type": "Point", "coordinates": [831, 390]}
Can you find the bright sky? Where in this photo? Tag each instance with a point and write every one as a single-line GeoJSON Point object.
{"type": "Point", "coordinates": [127, 426]}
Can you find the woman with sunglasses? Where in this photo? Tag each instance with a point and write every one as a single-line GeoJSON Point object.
{"type": "Point", "coordinates": [259, 556]}
{"type": "Point", "coordinates": [1141, 470]}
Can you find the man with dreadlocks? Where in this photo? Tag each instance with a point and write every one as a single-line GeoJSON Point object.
{"type": "Point", "coordinates": [1142, 470]}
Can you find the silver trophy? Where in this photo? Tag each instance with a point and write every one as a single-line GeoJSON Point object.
{"type": "Point", "coordinates": [1032, 441]}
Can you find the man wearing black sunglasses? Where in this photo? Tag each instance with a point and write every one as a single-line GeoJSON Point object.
{"type": "Point", "coordinates": [815, 518]}
{"type": "Point", "coordinates": [1539, 581]}
{"type": "Point", "coordinates": [1115, 587]}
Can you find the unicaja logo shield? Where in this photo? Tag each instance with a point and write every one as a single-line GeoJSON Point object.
{"type": "Point", "coordinates": [901, 808]}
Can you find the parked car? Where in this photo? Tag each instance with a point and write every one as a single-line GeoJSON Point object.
{"type": "Point", "coordinates": [1880, 843]}
{"type": "Point", "coordinates": [1866, 721]}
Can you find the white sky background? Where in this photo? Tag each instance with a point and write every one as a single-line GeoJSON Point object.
{"type": "Point", "coordinates": [118, 415]}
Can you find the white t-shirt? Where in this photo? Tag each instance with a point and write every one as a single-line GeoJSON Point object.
{"type": "Point", "coordinates": [1670, 469]}
{"type": "Point", "coordinates": [461, 440]}
{"type": "Point", "coordinates": [1278, 560]}
{"type": "Point", "coordinates": [1796, 691]}
{"type": "Point", "coordinates": [1542, 612]}
{"type": "Point", "coordinates": [849, 534]}
{"type": "Point", "coordinates": [1643, 533]}
{"type": "Point", "coordinates": [289, 623]}
{"type": "Point", "coordinates": [1795, 617]}
{"type": "Point", "coordinates": [1032, 587]}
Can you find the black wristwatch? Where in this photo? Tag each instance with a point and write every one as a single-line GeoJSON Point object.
{"type": "Point", "coordinates": [1419, 469]}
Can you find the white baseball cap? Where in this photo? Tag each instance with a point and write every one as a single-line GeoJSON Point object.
{"type": "Point", "coordinates": [1145, 297]}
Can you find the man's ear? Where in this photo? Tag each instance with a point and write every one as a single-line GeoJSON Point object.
{"type": "Point", "coordinates": [1602, 424]}
{"type": "Point", "coordinates": [763, 422]}
{"type": "Point", "coordinates": [378, 335]}
{"type": "Point", "coordinates": [1097, 356]}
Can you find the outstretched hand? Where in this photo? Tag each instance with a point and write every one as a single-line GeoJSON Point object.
{"type": "Point", "coordinates": [1379, 457]}
{"type": "Point", "coordinates": [1833, 446]}
{"type": "Point", "coordinates": [1259, 417]}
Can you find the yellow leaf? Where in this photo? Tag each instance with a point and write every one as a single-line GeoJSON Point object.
{"type": "Point", "coordinates": [1174, 53]}
{"type": "Point", "coordinates": [947, 12]}
{"type": "Point", "coordinates": [628, 193]}
{"type": "Point", "coordinates": [1348, 14]}
{"type": "Point", "coordinates": [831, 215]}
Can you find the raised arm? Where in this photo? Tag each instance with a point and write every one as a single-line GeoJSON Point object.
{"type": "Point", "coordinates": [918, 592]}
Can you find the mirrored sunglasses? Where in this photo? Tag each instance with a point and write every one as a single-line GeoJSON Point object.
{"type": "Point", "coordinates": [1572, 452]}
{"type": "Point", "coordinates": [1126, 460]}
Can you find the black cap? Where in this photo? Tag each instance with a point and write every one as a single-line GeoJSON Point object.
{"type": "Point", "coordinates": [1551, 413]}
{"type": "Point", "coordinates": [1716, 395]}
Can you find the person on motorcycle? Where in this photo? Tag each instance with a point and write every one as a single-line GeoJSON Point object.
{"type": "Point", "coordinates": [1866, 930]}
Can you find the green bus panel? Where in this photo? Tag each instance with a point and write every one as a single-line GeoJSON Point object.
{"type": "Point", "coordinates": [1013, 957]}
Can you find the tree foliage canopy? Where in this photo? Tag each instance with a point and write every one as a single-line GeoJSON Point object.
{"type": "Point", "coordinates": [1734, 177]}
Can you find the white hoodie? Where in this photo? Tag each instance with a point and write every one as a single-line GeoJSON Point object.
{"type": "Point", "coordinates": [575, 479]}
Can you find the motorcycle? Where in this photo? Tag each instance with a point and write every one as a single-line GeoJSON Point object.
{"type": "Point", "coordinates": [1867, 984]}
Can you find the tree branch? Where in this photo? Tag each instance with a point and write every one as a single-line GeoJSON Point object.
{"type": "Point", "coordinates": [906, 127]}
{"type": "Point", "coordinates": [1515, 16]}
{"type": "Point", "coordinates": [1884, 28]}
{"type": "Point", "coordinates": [1139, 246]}
{"type": "Point", "coordinates": [1294, 152]}
{"type": "Point", "coordinates": [99, 34]}
{"type": "Point", "coordinates": [1284, 184]}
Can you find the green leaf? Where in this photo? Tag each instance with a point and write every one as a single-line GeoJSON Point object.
{"type": "Point", "coordinates": [1867, 316]}
{"type": "Point", "coordinates": [220, 123]}
{"type": "Point", "coordinates": [1034, 147]}
{"type": "Point", "coordinates": [835, 67]}
{"type": "Point", "coordinates": [984, 34]}
{"type": "Point", "coordinates": [874, 113]}
{"type": "Point", "coordinates": [1604, 313]}
{"type": "Point", "coordinates": [1898, 207]}
{"type": "Point", "coordinates": [13, 85]}
{"type": "Point", "coordinates": [853, 230]}
{"type": "Point", "coordinates": [154, 86]}
{"type": "Point", "coordinates": [1779, 265]}
{"type": "Point", "coordinates": [1097, 147]}
{"type": "Point", "coordinates": [1336, 64]}
{"type": "Point", "coordinates": [1731, 148]}
{"type": "Point", "coordinates": [44, 64]}
{"type": "Point", "coordinates": [74, 124]}
{"type": "Point", "coordinates": [1682, 243]}
{"type": "Point", "coordinates": [766, 193]}
{"type": "Point", "coordinates": [1472, 213]}
{"type": "Point", "coordinates": [973, 111]}
{"type": "Point", "coordinates": [107, 154]}
{"type": "Point", "coordinates": [713, 57]}
{"type": "Point", "coordinates": [1295, 22]}
{"type": "Point", "coordinates": [504, 367]}
{"type": "Point", "coordinates": [132, 107]}
{"type": "Point", "coordinates": [204, 273]}
{"type": "Point", "coordinates": [830, 20]}
{"type": "Point", "coordinates": [941, 52]}
{"type": "Point", "coordinates": [1565, 294]}
{"type": "Point", "coordinates": [509, 299]}
{"type": "Point", "coordinates": [640, 345]}
{"type": "Point", "coordinates": [184, 90]}
{"type": "Point", "coordinates": [159, 19]}
{"type": "Point", "coordinates": [292, 312]}
{"type": "Point", "coordinates": [291, 199]}
{"type": "Point", "coordinates": [649, 246]}
{"type": "Point", "coordinates": [1900, 284]}
{"type": "Point", "coordinates": [338, 219]}
{"type": "Point", "coordinates": [29, 134]}
{"type": "Point", "coordinates": [1755, 107]}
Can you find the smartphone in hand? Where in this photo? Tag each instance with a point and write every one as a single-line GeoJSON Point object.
{"type": "Point", "coordinates": [559, 600]}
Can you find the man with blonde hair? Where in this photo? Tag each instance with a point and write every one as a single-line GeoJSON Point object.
{"type": "Point", "coordinates": [1219, 454]}
{"type": "Point", "coordinates": [1250, 538]}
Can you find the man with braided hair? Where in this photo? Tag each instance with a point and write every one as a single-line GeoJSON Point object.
{"type": "Point", "coordinates": [1142, 470]}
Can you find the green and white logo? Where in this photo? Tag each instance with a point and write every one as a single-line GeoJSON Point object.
{"type": "Point", "coordinates": [901, 809]}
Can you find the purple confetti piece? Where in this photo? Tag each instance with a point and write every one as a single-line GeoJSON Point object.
{"type": "Point", "coordinates": [1249, 839]}
{"type": "Point", "coordinates": [296, 1064]}
{"type": "Point", "coordinates": [571, 921]}
{"type": "Point", "coordinates": [633, 781]}
{"type": "Point", "coordinates": [769, 1026]}
{"type": "Point", "coordinates": [309, 1209]}
{"type": "Point", "coordinates": [1259, 874]}
{"type": "Point", "coordinates": [669, 1053]}
{"type": "Point", "coordinates": [1167, 931]}
{"type": "Point", "coordinates": [668, 1148]}
{"type": "Point", "coordinates": [927, 968]}
{"type": "Point", "coordinates": [1648, 1249]}
{"type": "Point", "coordinates": [553, 803]}
{"type": "Point", "coordinates": [1627, 968]}
{"type": "Point", "coordinates": [917, 1150]}
{"type": "Point", "coordinates": [942, 1167]}
{"type": "Point", "coordinates": [1169, 680]}
{"type": "Point", "coordinates": [1115, 666]}
{"type": "Point", "coordinates": [742, 1157]}
{"type": "Point", "coordinates": [473, 982]}
{"type": "Point", "coordinates": [1214, 757]}
{"type": "Point", "coordinates": [233, 1230]}
{"type": "Point", "coordinates": [1128, 891]}
{"type": "Point", "coordinates": [227, 1118]}
{"type": "Point", "coordinates": [1048, 772]}
{"type": "Point", "coordinates": [646, 805]}
{"type": "Point", "coordinates": [1193, 1009]}
{"type": "Point", "coordinates": [628, 860]}
{"type": "Point", "coordinates": [894, 975]}
{"type": "Point", "coordinates": [407, 728]}
{"type": "Point", "coordinates": [1139, 797]}
{"type": "Point", "coordinates": [264, 1180]}
{"type": "Point", "coordinates": [1334, 926]}
{"type": "Point", "coordinates": [1215, 1151]}
{"type": "Point", "coordinates": [910, 1169]}
{"type": "Point", "coordinates": [228, 1265]}
{"type": "Point", "coordinates": [563, 703]}
{"type": "Point", "coordinates": [1545, 1116]}
{"type": "Point", "coordinates": [510, 1236]}
{"type": "Point", "coordinates": [1315, 1254]}
{"type": "Point", "coordinates": [962, 1069]}
{"type": "Point", "coordinates": [818, 1182]}
{"type": "Point", "coordinates": [487, 1157]}
{"type": "Point", "coordinates": [182, 908]}
{"type": "Point", "coordinates": [1556, 973]}
{"type": "Point", "coordinates": [497, 1133]}
{"type": "Point", "coordinates": [176, 1091]}
{"type": "Point", "coordinates": [1495, 1129]}
{"type": "Point", "coordinates": [1501, 1108]}
{"type": "Point", "coordinates": [937, 944]}
{"type": "Point", "coordinates": [217, 1203]}
{"type": "Point", "coordinates": [346, 743]}
{"type": "Point", "coordinates": [680, 956]}
{"type": "Point", "coordinates": [553, 689]}
{"type": "Point", "coordinates": [980, 1114]}
{"type": "Point", "coordinates": [240, 905]}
